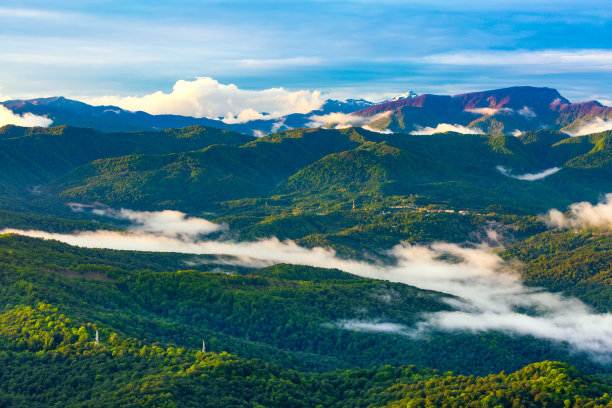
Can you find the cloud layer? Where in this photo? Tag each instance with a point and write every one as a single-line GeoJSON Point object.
{"type": "Point", "coordinates": [593, 126]}
{"type": "Point", "coordinates": [448, 48]}
{"type": "Point", "coordinates": [383, 131]}
{"type": "Point", "coordinates": [583, 214]}
{"type": "Point", "coordinates": [446, 127]}
{"type": "Point", "coordinates": [167, 222]}
{"type": "Point", "coordinates": [528, 176]}
{"type": "Point", "coordinates": [7, 117]}
{"type": "Point", "coordinates": [551, 60]}
{"type": "Point", "coordinates": [206, 97]}
{"type": "Point", "coordinates": [372, 326]}
{"type": "Point", "coordinates": [343, 120]}
{"type": "Point", "coordinates": [487, 296]}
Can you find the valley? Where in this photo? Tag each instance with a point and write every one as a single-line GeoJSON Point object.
{"type": "Point", "coordinates": [322, 267]}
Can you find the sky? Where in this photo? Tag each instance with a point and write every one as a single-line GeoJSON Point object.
{"type": "Point", "coordinates": [107, 51]}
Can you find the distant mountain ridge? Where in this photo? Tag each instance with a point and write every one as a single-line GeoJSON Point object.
{"type": "Point", "coordinates": [500, 111]}
{"type": "Point", "coordinates": [405, 95]}
{"type": "Point", "coordinates": [195, 167]}
{"type": "Point", "coordinates": [511, 110]}
{"type": "Point", "coordinates": [108, 118]}
{"type": "Point", "coordinates": [70, 112]}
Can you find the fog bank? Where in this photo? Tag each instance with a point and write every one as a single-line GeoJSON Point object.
{"type": "Point", "coordinates": [488, 296]}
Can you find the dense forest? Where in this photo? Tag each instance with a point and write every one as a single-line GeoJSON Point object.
{"type": "Point", "coordinates": [101, 327]}
{"type": "Point", "coordinates": [203, 169]}
{"type": "Point", "coordinates": [150, 324]}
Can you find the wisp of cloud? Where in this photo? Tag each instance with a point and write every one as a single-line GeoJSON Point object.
{"type": "Point", "coordinates": [583, 214]}
{"type": "Point", "coordinates": [446, 127]}
{"type": "Point", "coordinates": [7, 117]}
{"type": "Point", "coordinates": [344, 120]}
{"type": "Point", "coordinates": [485, 294]}
{"type": "Point", "coordinates": [167, 222]}
{"type": "Point", "coordinates": [528, 176]}
{"type": "Point", "coordinates": [593, 126]}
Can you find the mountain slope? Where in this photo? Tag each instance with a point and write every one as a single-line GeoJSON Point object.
{"type": "Point", "coordinates": [501, 111]}
{"type": "Point", "coordinates": [497, 111]}
{"type": "Point", "coordinates": [194, 180]}
{"type": "Point", "coordinates": [579, 264]}
{"type": "Point", "coordinates": [303, 164]}
{"type": "Point", "coordinates": [50, 359]}
{"type": "Point", "coordinates": [74, 113]}
{"type": "Point", "coordinates": [293, 315]}
{"type": "Point", "coordinates": [104, 118]}
{"type": "Point", "coordinates": [35, 155]}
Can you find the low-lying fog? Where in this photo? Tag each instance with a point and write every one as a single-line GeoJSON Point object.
{"type": "Point", "coordinates": [489, 296]}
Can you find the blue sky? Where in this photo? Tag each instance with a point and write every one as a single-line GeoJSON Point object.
{"type": "Point", "coordinates": [344, 49]}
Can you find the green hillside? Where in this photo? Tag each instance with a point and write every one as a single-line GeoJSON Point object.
{"type": "Point", "coordinates": [50, 359]}
{"type": "Point", "coordinates": [199, 179]}
{"type": "Point", "coordinates": [366, 169]}
{"type": "Point", "coordinates": [200, 169]}
{"type": "Point", "coordinates": [578, 264]}
{"type": "Point", "coordinates": [291, 315]}
{"type": "Point", "coordinates": [289, 335]}
{"type": "Point", "coordinates": [326, 166]}
{"type": "Point", "coordinates": [150, 325]}
{"type": "Point", "coordinates": [595, 151]}
{"type": "Point", "coordinates": [37, 155]}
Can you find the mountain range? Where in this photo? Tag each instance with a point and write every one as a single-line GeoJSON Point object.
{"type": "Point", "coordinates": [512, 110]}
{"type": "Point", "coordinates": [502, 111]}
{"type": "Point", "coordinates": [74, 113]}
{"type": "Point", "coordinates": [199, 169]}
{"type": "Point", "coordinates": [419, 227]}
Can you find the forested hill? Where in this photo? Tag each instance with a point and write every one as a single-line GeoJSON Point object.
{"type": "Point", "coordinates": [63, 364]}
{"type": "Point", "coordinates": [199, 169]}
{"type": "Point", "coordinates": [37, 155]}
{"type": "Point", "coordinates": [317, 167]}
{"type": "Point", "coordinates": [83, 327]}
{"type": "Point", "coordinates": [294, 335]}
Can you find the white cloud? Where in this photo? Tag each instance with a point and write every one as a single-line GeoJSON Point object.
{"type": "Point", "coordinates": [593, 126]}
{"type": "Point", "coordinates": [487, 296]}
{"type": "Point", "coordinates": [206, 97]}
{"type": "Point", "coordinates": [446, 127]}
{"type": "Point", "coordinates": [343, 120]}
{"type": "Point", "coordinates": [243, 261]}
{"type": "Point", "coordinates": [278, 125]}
{"type": "Point", "coordinates": [483, 111]}
{"type": "Point", "coordinates": [555, 102]}
{"type": "Point", "coordinates": [528, 176]}
{"type": "Point", "coordinates": [605, 102]}
{"type": "Point", "coordinates": [7, 117]}
{"type": "Point", "coordinates": [527, 112]}
{"type": "Point", "coordinates": [167, 223]}
{"type": "Point", "coordinates": [553, 60]}
{"type": "Point", "coordinates": [517, 133]}
{"type": "Point", "coordinates": [281, 62]}
{"type": "Point", "coordinates": [583, 214]}
{"type": "Point", "coordinates": [372, 326]}
{"type": "Point", "coordinates": [30, 13]}
{"type": "Point", "coordinates": [578, 326]}
{"type": "Point", "coordinates": [246, 115]}
{"type": "Point", "coordinates": [383, 131]}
